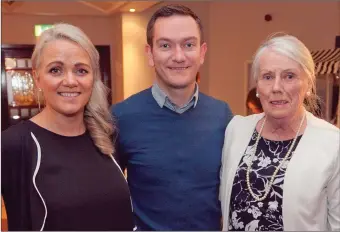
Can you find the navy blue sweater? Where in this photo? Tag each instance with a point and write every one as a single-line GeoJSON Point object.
{"type": "Point", "coordinates": [173, 161]}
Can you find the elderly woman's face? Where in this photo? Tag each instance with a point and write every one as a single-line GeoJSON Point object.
{"type": "Point", "coordinates": [65, 76]}
{"type": "Point", "coordinates": [282, 85]}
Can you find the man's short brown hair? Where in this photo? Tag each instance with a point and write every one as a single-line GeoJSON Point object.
{"type": "Point", "coordinates": [170, 10]}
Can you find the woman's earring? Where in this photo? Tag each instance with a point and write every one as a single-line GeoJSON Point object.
{"type": "Point", "coordinates": [39, 91]}
{"type": "Point", "coordinates": [308, 93]}
{"type": "Point", "coordinates": [257, 95]}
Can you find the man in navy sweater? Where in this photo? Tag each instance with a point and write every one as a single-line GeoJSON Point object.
{"type": "Point", "coordinates": [171, 135]}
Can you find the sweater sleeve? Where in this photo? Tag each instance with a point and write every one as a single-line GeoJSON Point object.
{"type": "Point", "coordinates": [228, 114]}
{"type": "Point", "coordinates": [120, 157]}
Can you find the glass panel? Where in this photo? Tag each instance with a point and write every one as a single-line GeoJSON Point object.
{"type": "Point", "coordinates": [34, 111]}
{"type": "Point", "coordinates": [29, 63]}
{"type": "Point", "coordinates": [10, 63]}
{"type": "Point", "coordinates": [20, 88]}
{"type": "Point", "coordinates": [13, 112]}
{"type": "Point", "coordinates": [25, 112]}
{"type": "Point", "coordinates": [21, 63]}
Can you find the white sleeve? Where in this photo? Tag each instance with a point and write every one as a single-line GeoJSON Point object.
{"type": "Point", "coordinates": [333, 196]}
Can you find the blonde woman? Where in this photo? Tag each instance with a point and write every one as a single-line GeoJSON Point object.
{"type": "Point", "coordinates": [281, 168]}
{"type": "Point", "coordinates": [58, 170]}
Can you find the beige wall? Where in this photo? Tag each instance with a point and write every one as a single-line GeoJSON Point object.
{"type": "Point", "coordinates": [233, 31]}
{"type": "Point", "coordinates": [137, 74]}
{"type": "Point", "coordinates": [237, 29]}
{"type": "Point", "coordinates": [117, 80]}
{"type": "Point", "coordinates": [19, 29]}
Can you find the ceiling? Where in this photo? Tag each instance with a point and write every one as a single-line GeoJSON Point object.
{"type": "Point", "coordinates": [80, 7]}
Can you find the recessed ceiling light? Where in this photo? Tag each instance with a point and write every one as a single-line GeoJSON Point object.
{"type": "Point", "coordinates": [132, 10]}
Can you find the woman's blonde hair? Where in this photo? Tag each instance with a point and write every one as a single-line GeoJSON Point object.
{"type": "Point", "coordinates": [291, 47]}
{"type": "Point", "coordinates": [97, 117]}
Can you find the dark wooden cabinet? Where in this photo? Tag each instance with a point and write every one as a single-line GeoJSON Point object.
{"type": "Point", "coordinates": [19, 96]}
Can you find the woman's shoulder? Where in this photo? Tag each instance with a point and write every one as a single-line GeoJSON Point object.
{"type": "Point", "coordinates": [241, 127]}
{"type": "Point", "coordinates": [322, 126]}
{"type": "Point", "coordinates": [12, 137]}
{"type": "Point", "coordinates": [245, 121]}
{"type": "Point", "coordinates": [323, 135]}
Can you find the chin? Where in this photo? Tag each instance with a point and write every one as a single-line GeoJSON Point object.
{"type": "Point", "coordinates": [180, 85]}
{"type": "Point", "coordinates": [70, 111]}
{"type": "Point", "coordinates": [278, 114]}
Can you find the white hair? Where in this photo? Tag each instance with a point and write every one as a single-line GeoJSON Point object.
{"type": "Point", "coordinates": [291, 47]}
{"type": "Point", "coordinates": [97, 117]}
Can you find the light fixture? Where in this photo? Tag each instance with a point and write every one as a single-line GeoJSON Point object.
{"type": "Point", "coordinates": [10, 2]}
{"type": "Point", "coordinates": [132, 10]}
{"type": "Point", "coordinates": [16, 117]}
{"type": "Point", "coordinates": [38, 29]}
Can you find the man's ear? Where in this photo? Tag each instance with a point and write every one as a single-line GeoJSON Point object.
{"type": "Point", "coordinates": [204, 49]}
{"type": "Point", "coordinates": [148, 51]}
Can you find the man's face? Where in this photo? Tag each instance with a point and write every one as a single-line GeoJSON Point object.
{"type": "Point", "coordinates": [177, 53]}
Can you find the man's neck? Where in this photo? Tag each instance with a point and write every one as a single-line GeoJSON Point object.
{"type": "Point", "coordinates": [180, 96]}
{"type": "Point", "coordinates": [59, 123]}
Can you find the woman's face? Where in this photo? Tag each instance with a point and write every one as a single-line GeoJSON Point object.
{"type": "Point", "coordinates": [65, 76]}
{"type": "Point", "coordinates": [281, 84]}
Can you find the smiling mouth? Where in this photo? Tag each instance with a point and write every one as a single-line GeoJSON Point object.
{"type": "Point", "coordinates": [178, 68]}
{"type": "Point", "coordinates": [278, 103]}
{"type": "Point", "coordinates": [68, 94]}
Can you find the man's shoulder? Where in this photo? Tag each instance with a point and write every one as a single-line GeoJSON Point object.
{"type": "Point", "coordinates": [212, 102]}
{"type": "Point", "coordinates": [211, 99]}
{"type": "Point", "coordinates": [131, 102]}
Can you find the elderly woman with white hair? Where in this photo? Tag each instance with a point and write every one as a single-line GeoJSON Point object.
{"type": "Point", "coordinates": [58, 170]}
{"type": "Point", "coordinates": [280, 168]}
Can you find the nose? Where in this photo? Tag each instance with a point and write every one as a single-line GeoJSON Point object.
{"type": "Point", "coordinates": [70, 80]}
{"type": "Point", "coordinates": [277, 85]}
{"type": "Point", "coordinates": [179, 56]}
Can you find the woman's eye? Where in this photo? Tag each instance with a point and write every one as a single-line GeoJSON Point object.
{"type": "Point", "coordinates": [55, 70]}
{"type": "Point", "coordinates": [290, 76]}
{"type": "Point", "coordinates": [267, 77]}
{"type": "Point", "coordinates": [82, 71]}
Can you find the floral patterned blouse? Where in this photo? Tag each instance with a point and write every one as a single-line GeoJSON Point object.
{"type": "Point", "coordinates": [245, 212]}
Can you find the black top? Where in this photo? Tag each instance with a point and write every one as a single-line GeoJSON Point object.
{"type": "Point", "coordinates": [245, 212]}
{"type": "Point", "coordinates": [82, 188]}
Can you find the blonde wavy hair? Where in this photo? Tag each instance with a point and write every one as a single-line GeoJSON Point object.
{"type": "Point", "coordinates": [97, 117]}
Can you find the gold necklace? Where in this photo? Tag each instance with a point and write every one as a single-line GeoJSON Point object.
{"type": "Point", "coordinates": [277, 168]}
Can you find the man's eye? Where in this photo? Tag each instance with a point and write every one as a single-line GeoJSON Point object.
{"type": "Point", "coordinates": [165, 46]}
{"type": "Point", "coordinates": [189, 45]}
